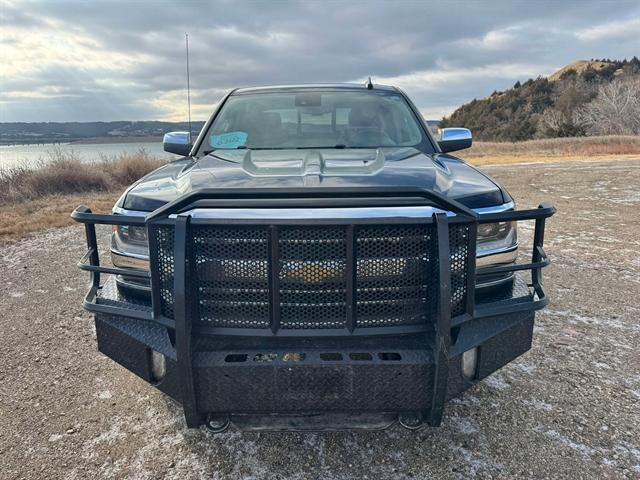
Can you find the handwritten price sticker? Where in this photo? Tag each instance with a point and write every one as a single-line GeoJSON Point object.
{"type": "Point", "coordinates": [228, 140]}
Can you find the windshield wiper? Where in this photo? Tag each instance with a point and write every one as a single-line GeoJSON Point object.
{"type": "Point", "coordinates": [339, 146]}
{"type": "Point", "coordinates": [208, 152]}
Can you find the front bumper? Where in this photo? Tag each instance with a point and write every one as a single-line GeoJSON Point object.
{"type": "Point", "coordinates": [314, 384]}
{"type": "Point", "coordinates": [350, 376]}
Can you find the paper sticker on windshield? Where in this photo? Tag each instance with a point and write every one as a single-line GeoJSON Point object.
{"type": "Point", "coordinates": [228, 140]}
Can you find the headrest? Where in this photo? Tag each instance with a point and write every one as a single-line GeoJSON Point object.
{"type": "Point", "coordinates": [272, 120]}
{"type": "Point", "coordinates": [362, 117]}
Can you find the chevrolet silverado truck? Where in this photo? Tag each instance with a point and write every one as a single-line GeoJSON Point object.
{"type": "Point", "coordinates": [315, 260]}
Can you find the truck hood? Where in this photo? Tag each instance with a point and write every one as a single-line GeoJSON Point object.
{"type": "Point", "coordinates": [284, 169]}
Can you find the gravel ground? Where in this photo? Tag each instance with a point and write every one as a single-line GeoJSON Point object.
{"type": "Point", "coordinates": [566, 409]}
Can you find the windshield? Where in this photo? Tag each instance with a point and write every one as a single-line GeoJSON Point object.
{"type": "Point", "coordinates": [315, 119]}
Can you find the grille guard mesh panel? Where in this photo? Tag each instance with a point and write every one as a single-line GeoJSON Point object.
{"type": "Point", "coordinates": [397, 270]}
{"type": "Point", "coordinates": [163, 274]}
{"type": "Point", "coordinates": [229, 276]}
{"type": "Point", "coordinates": [459, 257]}
{"type": "Point", "coordinates": [312, 277]}
{"type": "Point", "coordinates": [230, 279]}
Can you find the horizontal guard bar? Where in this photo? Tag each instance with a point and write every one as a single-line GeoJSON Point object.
{"type": "Point", "coordinates": [119, 312]}
{"type": "Point", "coordinates": [545, 210]}
{"type": "Point", "coordinates": [258, 194]}
{"type": "Point", "coordinates": [114, 271]}
{"type": "Point", "coordinates": [82, 214]}
{"type": "Point", "coordinates": [82, 265]}
{"type": "Point", "coordinates": [513, 268]}
{"type": "Point", "coordinates": [492, 311]}
{"type": "Point", "coordinates": [314, 332]}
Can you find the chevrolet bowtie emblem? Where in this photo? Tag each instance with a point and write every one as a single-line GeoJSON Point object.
{"type": "Point", "coordinates": [312, 273]}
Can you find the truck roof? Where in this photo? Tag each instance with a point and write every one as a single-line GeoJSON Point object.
{"type": "Point", "coordinates": [311, 86]}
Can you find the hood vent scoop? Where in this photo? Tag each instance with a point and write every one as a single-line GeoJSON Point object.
{"type": "Point", "coordinates": [312, 162]}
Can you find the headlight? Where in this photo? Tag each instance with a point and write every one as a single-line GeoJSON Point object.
{"type": "Point", "coordinates": [496, 238]}
{"type": "Point", "coordinates": [131, 234]}
{"type": "Point", "coordinates": [130, 247]}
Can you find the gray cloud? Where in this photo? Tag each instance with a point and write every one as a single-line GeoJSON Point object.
{"type": "Point", "coordinates": [117, 60]}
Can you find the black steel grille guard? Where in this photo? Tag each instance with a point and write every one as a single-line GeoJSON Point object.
{"type": "Point", "coordinates": [173, 214]}
{"type": "Point", "coordinates": [453, 213]}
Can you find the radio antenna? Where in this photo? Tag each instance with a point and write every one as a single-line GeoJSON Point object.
{"type": "Point", "coordinates": [186, 38]}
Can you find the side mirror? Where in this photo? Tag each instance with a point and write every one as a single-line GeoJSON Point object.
{"type": "Point", "coordinates": [452, 139]}
{"type": "Point", "coordinates": [177, 142]}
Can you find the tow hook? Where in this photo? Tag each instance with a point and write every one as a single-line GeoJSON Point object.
{"type": "Point", "coordinates": [410, 420]}
{"type": "Point", "coordinates": [217, 423]}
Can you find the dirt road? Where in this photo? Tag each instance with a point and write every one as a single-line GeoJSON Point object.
{"type": "Point", "coordinates": [570, 408]}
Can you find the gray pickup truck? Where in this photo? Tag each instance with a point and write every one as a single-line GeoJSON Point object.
{"type": "Point", "coordinates": [315, 260]}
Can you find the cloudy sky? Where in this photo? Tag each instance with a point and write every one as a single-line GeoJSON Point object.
{"type": "Point", "coordinates": [86, 61]}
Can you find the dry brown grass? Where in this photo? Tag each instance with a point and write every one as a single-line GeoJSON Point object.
{"type": "Point", "coordinates": [554, 149]}
{"type": "Point", "coordinates": [34, 199]}
{"type": "Point", "coordinates": [21, 218]}
{"type": "Point", "coordinates": [65, 174]}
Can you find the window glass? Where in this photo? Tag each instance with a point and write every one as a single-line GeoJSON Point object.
{"type": "Point", "coordinates": [312, 119]}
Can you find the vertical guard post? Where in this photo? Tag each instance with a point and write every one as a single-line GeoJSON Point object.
{"type": "Point", "coordinates": [472, 253]}
{"type": "Point", "coordinates": [92, 247]}
{"type": "Point", "coordinates": [274, 278]}
{"type": "Point", "coordinates": [183, 319]}
{"type": "Point", "coordinates": [538, 242]}
{"type": "Point", "coordinates": [443, 326]}
{"type": "Point", "coordinates": [92, 255]}
{"type": "Point", "coordinates": [351, 272]}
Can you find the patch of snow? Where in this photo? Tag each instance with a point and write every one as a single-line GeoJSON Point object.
{"type": "Point", "coordinates": [581, 448]}
{"type": "Point", "coordinates": [109, 437]}
{"type": "Point", "coordinates": [475, 463]}
{"type": "Point", "coordinates": [523, 367]}
{"type": "Point", "coordinates": [629, 197]}
{"type": "Point", "coordinates": [55, 437]}
{"type": "Point", "coordinates": [538, 405]}
{"type": "Point", "coordinates": [601, 365]}
{"type": "Point", "coordinates": [465, 425]}
{"type": "Point", "coordinates": [576, 318]}
{"type": "Point", "coordinates": [467, 400]}
{"type": "Point", "coordinates": [496, 381]}
{"type": "Point", "coordinates": [104, 395]}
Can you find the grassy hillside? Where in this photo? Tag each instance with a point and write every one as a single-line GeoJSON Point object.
{"type": "Point", "coordinates": [585, 98]}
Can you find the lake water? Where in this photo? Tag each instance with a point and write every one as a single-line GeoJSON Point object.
{"type": "Point", "coordinates": [30, 155]}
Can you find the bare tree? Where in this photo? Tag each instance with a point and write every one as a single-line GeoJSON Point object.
{"type": "Point", "coordinates": [552, 119]}
{"type": "Point", "coordinates": [615, 111]}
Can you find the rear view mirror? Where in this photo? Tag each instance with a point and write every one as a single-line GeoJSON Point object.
{"type": "Point", "coordinates": [452, 139]}
{"type": "Point", "coordinates": [177, 142]}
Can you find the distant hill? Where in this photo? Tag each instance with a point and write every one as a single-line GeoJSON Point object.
{"type": "Point", "coordinates": [585, 97]}
{"type": "Point", "coordinates": [52, 132]}
{"type": "Point", "coordinates": [579, 67]}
